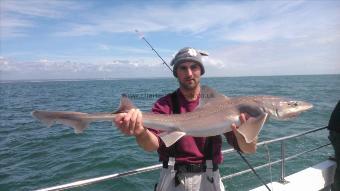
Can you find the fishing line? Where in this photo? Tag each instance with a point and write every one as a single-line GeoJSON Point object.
{"type": "Point", "coordinates": [142, 37]}
{"type": "Point", "coordinates": [252, 169]}
{"type": "Point", "coordinates": [244, 159]}
{"type": "Point", "coordinates": [270, 164]}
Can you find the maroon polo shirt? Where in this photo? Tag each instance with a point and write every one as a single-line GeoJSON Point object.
{"type": "Point", "coordinates": [188, 149]}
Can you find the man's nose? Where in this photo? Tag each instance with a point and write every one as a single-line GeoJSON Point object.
{"type": "Point", "coordinates": [189, 71]}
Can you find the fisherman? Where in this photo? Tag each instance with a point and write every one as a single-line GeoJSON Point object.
{"type": "Point", "coordinates": [334, 137]}
{"type": "Point", "coordinates": [192, 162]}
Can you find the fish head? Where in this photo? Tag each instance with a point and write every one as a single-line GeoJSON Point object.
{"type": "Point", "coordinates": [284, 109]}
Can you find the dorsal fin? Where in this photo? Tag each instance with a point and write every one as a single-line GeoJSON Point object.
{"type": "Point", "coordinates": [125, 105]}
{"type": "Point", "coordinates": [210, 95]}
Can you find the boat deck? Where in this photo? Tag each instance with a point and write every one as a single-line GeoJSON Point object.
{"type": "Point", "coordinates": [317, 177]}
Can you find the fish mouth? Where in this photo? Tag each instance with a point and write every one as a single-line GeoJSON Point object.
{"type": "Point", "coordinates": [306, 106]}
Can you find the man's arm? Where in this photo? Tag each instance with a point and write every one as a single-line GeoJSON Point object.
{"type": "Point", "coordinates": [147, 140]}
{"type": "Point", "coordinates": [131, 124]}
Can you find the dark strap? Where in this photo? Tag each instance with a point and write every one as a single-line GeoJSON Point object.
{"type": "Point", "coordinates": [195, 168]}
{"type": "Point", "coordinates": [175, 110]}
{"type": "Point", "coordinates": [175, 104]}
{"type": "Point", "coordinates": [208, 148]}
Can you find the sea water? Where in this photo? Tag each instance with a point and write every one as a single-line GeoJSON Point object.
{"type": "Point", "coordinates": [33, 156]}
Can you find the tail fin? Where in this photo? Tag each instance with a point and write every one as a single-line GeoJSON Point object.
{"type": "Point", "coordinates": [72, 119]}
{"type": "Point", "coordinates": [125, 105]}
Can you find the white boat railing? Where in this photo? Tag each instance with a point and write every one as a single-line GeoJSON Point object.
{"type": "Point", "coordinates": [158, 166]}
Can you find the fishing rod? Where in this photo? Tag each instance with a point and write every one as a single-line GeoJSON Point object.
{"type": "Point", "coordinates": [142, 37]}
{"type": "Point", "coordinates": [241, 155]}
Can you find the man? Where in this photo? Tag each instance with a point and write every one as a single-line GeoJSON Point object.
{"type": "Point", "coordinates": [334, 137]}
{"type": "Point", "coordinates": [192, 162]}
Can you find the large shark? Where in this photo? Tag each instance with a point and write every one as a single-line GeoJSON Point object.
{"type": "Point", "coordinates": [213, 116]}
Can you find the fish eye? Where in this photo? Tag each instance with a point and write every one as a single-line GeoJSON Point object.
{"type": "Point", "coordinates": [293, 103]}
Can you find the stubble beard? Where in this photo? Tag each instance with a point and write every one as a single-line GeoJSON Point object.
{"type": "Point", "coordinates": [190, 86]}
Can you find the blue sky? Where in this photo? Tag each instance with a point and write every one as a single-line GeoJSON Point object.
{"type": "Point", "coordinates": [96, 39]}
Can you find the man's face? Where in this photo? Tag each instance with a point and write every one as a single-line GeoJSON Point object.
{"type": "Point", "coordinates": [189, 75]}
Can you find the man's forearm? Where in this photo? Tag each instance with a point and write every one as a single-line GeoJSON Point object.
{"type": "Point", "coordinates": [148, 141]}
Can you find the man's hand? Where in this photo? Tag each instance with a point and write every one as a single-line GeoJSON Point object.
{"type": "Point", "coordinates": [243, 118]}
{"type": "Point", "coordinates": [130, 123]}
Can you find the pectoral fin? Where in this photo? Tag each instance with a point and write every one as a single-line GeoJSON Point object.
{"type": "Point", "coordinates": [169, 138]}
{"type": "Point", "coordinates": [252, 127]}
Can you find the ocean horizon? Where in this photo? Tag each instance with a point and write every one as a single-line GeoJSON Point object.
{"type": "Point", "coordinates": [145, 77]}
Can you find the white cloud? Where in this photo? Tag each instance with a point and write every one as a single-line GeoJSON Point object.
{"type": "Point", "coordinates": [62, 66]}
{"type": "Point", "coordinates": [48, 69]}
{"type": "Point", "coordinates": [104, 47]}
{"type": "Point", "coordinates": [213, 62]}
{"type": "Point", "coordinates": [36, 8]}
{"type": "Point", "coordinates": [192, 17]}
{"type": "Point", "coordinates": [124, 49]}
{"type": "Point", "coordinates": [304, 56]}
{"type": "Point", "coordinates": [241, 22]}
{"type": "Point", "coordinates": [4, 65]}
{"type": "Point", "coordinates": [245, 21]}
{"type": "Point", "coordinates": [12, 26]}
{"type": "Point", "coordinates": [18, 16]}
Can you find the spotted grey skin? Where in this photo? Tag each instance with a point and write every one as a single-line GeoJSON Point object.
{"type": "Point", "coordinates": [213, 116]}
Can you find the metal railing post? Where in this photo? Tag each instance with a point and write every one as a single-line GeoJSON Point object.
{"type": "Point", "coordinates": [283, 157]}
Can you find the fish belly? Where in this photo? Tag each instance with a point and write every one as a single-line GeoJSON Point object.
{"type": "Point", "coordinates": [207, 130]}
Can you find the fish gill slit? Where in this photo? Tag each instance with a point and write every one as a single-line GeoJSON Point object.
{"type": "Point", "coordinates": [277, 112]}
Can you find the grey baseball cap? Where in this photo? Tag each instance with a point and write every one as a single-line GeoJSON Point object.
{"type": "Point", "coordinates": [188, 54]}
